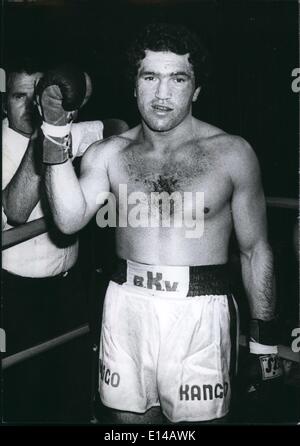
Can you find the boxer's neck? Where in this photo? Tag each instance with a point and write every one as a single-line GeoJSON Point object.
{"type": "Point", "coordinates": [171, 139]}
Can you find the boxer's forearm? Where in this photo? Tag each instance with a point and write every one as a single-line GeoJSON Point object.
{"type": "Point", "coordinates": [73, 203]}
{"type": "Point", "coordinates": [22, 193]}
{"type": "Point", "coordinates": [258, 279]}
{"type": "Point", "coordinates": [65, 196]}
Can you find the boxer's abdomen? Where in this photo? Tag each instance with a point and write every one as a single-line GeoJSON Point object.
{"type": "Point", "coordinates": [177, 246]}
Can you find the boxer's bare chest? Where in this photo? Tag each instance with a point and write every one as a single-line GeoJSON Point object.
{"type": "Point", "coordinates": [183, 171]}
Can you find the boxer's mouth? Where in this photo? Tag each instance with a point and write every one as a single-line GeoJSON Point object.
{"type": "Point", "coordinates": [161, 108]}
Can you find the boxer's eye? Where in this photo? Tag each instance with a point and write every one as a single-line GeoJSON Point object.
{"type": "Point", "coordinates": [149, 78]}
{"type": "Point", "coordinates": [179, 80]}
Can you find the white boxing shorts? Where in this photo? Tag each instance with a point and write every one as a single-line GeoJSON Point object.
{"type": "Point", "coordinates": [169, 339]}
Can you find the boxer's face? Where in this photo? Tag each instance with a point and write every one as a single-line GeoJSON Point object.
{"type": "Point", "coordinates": [21, 110]}
{"type": "Point", "coordinates": [165, 89]}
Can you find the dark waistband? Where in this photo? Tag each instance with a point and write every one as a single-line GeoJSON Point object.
{"type": "Point", "coordinates": [60, 276]}
{"type": "Point", "coordinates": [202, 279]}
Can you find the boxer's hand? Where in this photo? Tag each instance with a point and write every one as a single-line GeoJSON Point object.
{"type": "Point", "coordinates": [60, 92]}
{"type": "Point", "coordinates": [264, 374]}
{"type": "Point", "coordinates": [264, 368]}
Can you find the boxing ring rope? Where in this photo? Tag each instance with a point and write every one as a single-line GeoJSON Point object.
{"type": "Point", "coordinates": [280, 202]}
{"type": "Point", "coordinates": [24, 232]}
{"type": "Point", "coordinates": [44, 347]}
{"type": "Point", "coordinates": [34, 228]}
{"type": "Point", "coordinates": [284, 351]}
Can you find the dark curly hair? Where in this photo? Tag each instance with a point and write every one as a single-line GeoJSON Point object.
{"type": "Point", "coordinates": [169, 37]}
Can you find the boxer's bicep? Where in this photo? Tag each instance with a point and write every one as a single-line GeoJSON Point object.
{"type": "Point", "coordinates": [248, 200]}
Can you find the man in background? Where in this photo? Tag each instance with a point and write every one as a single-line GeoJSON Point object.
{"type": "Point", "coordinates": [43, 293]}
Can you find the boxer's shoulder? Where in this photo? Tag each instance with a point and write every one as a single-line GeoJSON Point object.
{"type": "Point", "coordinates": [218, 137]}
{"type": "Point", "coordinates": [104, 151]}
{"type": "Point", "coordinates": [206, 131]}
{"type": "Point", "coordinates": [234, 152]}
{"type": "Point", "coordinates": [239, 152]}
{"type": "Point", "coordinates": [233, 147]}
{"type": "Point", "coordinates": [240, 159]}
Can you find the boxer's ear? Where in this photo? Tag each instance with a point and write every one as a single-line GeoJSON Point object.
{"type": "Point", "coordinates": [196, 94]}
{"type": "Point", "coordinates": [4, 104]}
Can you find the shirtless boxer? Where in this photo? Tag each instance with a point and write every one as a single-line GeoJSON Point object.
{"type": "Point", "coordinates": [169, 329]}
